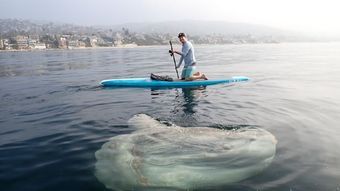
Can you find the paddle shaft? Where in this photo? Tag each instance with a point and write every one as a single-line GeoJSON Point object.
{"type": "Point", "coordinates": [173, 56]}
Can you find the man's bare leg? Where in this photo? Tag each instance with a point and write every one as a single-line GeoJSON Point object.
{"type": "Point", "coordinates": [197, 76]}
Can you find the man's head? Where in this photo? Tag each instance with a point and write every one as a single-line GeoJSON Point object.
{"type": "Point", "coordinates": [182, 37]}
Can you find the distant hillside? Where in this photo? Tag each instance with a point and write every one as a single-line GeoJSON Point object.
{"type": "Point", "coordinates": [202, 28]}
{"type": "Point", "coordinates": [14, 27]}
{"type": "Point", "coordinates": [171, 27]}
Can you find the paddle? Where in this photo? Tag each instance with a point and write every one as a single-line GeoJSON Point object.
{"type": "Point", "coordinates": [173, 56]}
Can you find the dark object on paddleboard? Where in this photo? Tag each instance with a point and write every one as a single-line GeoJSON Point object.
{"type": "Point", "coordinates": [161, 78]}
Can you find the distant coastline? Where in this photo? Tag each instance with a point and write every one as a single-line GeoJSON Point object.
{"type": "Point", "coordinates": [24, 35]}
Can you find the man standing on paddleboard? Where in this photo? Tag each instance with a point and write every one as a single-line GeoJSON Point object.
{"type": "Point", "coordinates": [188, 56]}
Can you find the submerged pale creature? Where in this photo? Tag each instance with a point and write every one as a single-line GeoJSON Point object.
{"type": "Point", "coordinates": [161, 156]}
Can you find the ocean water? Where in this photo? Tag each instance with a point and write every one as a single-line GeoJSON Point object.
{"type": "Point", "coordinates": [54, 115]}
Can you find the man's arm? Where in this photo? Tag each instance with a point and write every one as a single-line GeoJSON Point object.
{"type": "Point", "coordinates": [180, 61]}
{"type": "Point", "coordinates": [179, 53]}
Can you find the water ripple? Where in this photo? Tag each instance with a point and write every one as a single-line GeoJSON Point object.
{"type": "Point", "coordinates": [54, 114]}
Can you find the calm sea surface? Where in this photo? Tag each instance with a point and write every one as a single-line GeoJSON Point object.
{"type": "Point", "coordinates": [54, 116]}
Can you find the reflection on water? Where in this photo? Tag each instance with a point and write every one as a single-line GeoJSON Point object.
{"type": "Point", "coordinates": [187, 99]}
{"type": "Point", "coordinates": [191, 96]}
{"type": "Point", "coordinates": [183, 104]}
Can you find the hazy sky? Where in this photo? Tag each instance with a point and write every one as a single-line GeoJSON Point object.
{"type": "Point", "coordinates": [313, 16]}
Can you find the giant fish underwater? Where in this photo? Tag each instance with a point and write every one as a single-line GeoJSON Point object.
{"type": "Point", "coordinates": [158, 155]}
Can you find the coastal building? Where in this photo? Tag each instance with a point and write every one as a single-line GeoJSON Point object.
{"type": "Point", "coordinates": [93, 41]}
{"type": "Point", "coordinates": [62, 42]}
{"type": "Point", "coordinates": [67, 36]}
{"type": "Point", "coordinates": [73, 44]}
{"type": "Point", "coordinates": [11, 47]}
{"type": "Point", "coordinates": [117, 43]}
{"type": "Point", "coordinates": [50, 45]}
{"type": "Point", "coordinates": [33, 40]}
{"type": "Point", "coordinates": [32, 43]}
{"type": "Point", "coordinates": [118, 39]}
{"type": "Point", "coordinates": [40, 46]}
{"type": "Point", "coordinates": [22, 42]}
{"type": "Point", "coordinates": [81, 44]}
{"type": "Point", "coordinates": [102, 42]}
{"type": "Point", "coordinates": [34, 37]}
{"type": "Point", "coordinates": [5, 44]}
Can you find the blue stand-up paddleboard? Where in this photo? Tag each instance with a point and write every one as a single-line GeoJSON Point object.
{"type": "Point", "coordinates": [147, 82]}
